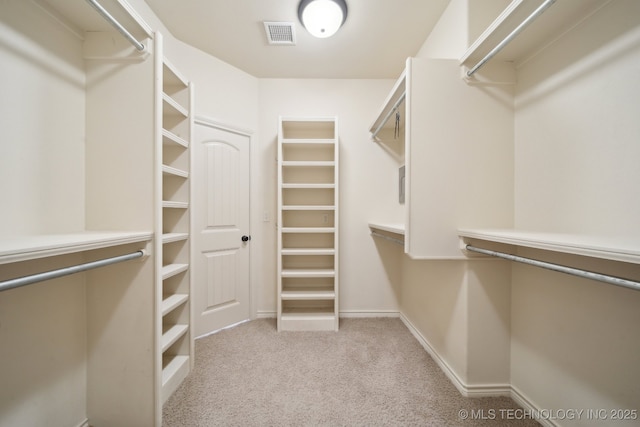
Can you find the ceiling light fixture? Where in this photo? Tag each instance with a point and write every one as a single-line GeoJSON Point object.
{"type": "Point", "coordinates": [322, 18]}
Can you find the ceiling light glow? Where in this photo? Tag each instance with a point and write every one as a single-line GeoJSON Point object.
{"type": "Point", "coordinates": [322, 18]}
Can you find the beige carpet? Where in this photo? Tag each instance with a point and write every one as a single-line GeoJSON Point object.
{"type": "Point", "coordinates": [372, 372]}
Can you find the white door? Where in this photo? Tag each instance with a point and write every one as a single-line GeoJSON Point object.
{"type": "Point", "coordinates": [221, 227]}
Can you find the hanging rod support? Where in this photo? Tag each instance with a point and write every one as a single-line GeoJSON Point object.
{"type": "Point", "coordinates": [53, 274]}
{"type": "Point", "coordinates": [544, 6]}
{"type": "Point", "coordinates": [391, 111]}
{"type": "Point", "coordinates": [618, 281]}
{"type": "Point", "coordinates": [106, 15]}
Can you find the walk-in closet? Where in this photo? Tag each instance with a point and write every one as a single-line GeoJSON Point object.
{"type": "Point", "coordinates": [192, 190]}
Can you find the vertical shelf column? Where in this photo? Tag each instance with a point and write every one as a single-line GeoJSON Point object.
{"type": "Point", "coordinates": [174, 284]}
{"type": "Point", "coordinates": [308, 273]}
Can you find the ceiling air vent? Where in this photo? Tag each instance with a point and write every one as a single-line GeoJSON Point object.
{"type": "Point", "coordinates": [282, 33]}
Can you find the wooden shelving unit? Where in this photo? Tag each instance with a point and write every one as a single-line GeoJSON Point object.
{"type": "Point", "coordinates": [308, 224]}
{"type": "Point", "coordinates": [174, 288]}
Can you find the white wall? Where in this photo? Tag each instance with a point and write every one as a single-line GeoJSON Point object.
{"type": "Point", "coordinates": [368, 184]}
{"type": "Point", "coordinates": [574, 343]}
{"type": "Point", "coordinates": [43, 341]}
{"type": "Point", "coordinates": [569, 340]}
{"type": "Point", "coordinates": [42, 121]}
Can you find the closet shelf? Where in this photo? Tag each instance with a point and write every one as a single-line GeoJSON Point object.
{"type": "Point", "coordinates": [171, 76]}
{"type": "Point", "coordinates": [174, 237]}
{"type": "Point", "coordinates": [308, 207]}
{"type": "Point", "coordinates": [305, 273]}
{"type": "Point", "coordinates": [308, 230]}
{"type": "Point", "coordinates": [171, 302]}
{"type": "Point", "coordinates": [291, 313]}
{"type": "Point", "coordinates": [391, 228]}
{"type": "Point", "coordinates": [301, 295]}
{"type": "Point", "coordinates": [173, 269]}
{"type": "Point", "coordinates": [168, 170]}
{"type": "Point", "coordinates": [308, 251]}
{"type": "Point", "coordinates": [624, 249]}
{"type": "Point", "coordinates": [25, 248]}
{"type": "Point", "coordinates": [550, 25]}
{"type": "Point", "coordinates": [173, 365]}
{"type": "Point", "coordinates": [303, 141]}
{"type": "Point", "coordinates": [171, 334]}
{"type": "Point", "coordinates": [310, 186]}
{"type": "Point", "coordinates": [170, 138]}
{"type": "Point", "coordinates": [175, 205]}
{"type": "Point", "coordinates": [305, 164]}
{"type": "Point", "coordinates": [390, 106]}
{"type": "Point", "coordinates": [173, 108]}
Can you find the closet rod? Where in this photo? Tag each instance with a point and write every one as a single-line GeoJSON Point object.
{"type": "Point", "coordinates": [393, 110]}
{"type": "Point", "coordinates": [391, 239]}
{"type": "Point", "coordinates": [106, 15]}
{"type": "Point", "coordinates": [618, 281]}
{"type": "Point", "coordinates": [53, 274]}
{"type": "Point", "coordinates": [544, 6]}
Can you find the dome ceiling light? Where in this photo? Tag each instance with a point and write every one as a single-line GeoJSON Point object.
{"type": "Point", "coordinates": [322, 18]}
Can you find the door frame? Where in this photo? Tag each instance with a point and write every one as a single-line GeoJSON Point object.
{"type": "Point", "coordinates": [254, 229]}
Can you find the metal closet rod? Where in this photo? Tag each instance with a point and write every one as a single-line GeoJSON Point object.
{"type": "Point", "coordinates": [618, 281]}
{"type": "Point", "coordinates": [544, 6]}
{"type": "Point", "coordinates": [106, 15]}
{"type": "Point", "coordinates": [393, 109]}
{"type": "Point", "coordinates": [53, 274]}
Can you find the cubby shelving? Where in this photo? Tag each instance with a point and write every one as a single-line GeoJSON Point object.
{"type": "Point", "coordinates": [175, 118]}
{"type": "Point", "coordinates": [308, 274]}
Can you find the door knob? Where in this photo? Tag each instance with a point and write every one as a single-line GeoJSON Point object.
{"type": "Point", "coordinates": [246, 238]}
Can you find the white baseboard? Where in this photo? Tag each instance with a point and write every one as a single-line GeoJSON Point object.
{"type": "Point", "coordinates": [528, 405]}
{"type": "Point", "coordinates": [84, 423]}
{"type": "Point", "coordinates": [266, 315]}
{"type": "Point", "coordinates": [483, 390]}
{"type": "Point", "coordinates": [345, 314]}
{"type": "Point", "coordinates": [364, 313]}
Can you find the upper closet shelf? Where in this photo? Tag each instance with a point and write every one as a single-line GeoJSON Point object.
{"type": "Point", "coordinates": [391, 228]}
{"type": "Point", "coordinates": [391, 232]}
{"type": "Point", "coordinates": [624, 249]}
{"type": "Point", "coordinates": [539, 23]}
{"type": "Point", "coordinates": [391, 105]}
{"type": "Point", "coordinates": [26, 248]}
{"type": "Point", "coordinates": [81, 16]}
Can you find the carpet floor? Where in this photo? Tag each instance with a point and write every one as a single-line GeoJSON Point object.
{"type": "Point", "coordinates": [372, 372]}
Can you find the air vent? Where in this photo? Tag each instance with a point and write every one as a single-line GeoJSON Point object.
{"type": "Point", "coordinates": [282, 33]}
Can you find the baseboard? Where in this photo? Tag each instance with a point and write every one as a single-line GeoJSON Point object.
{"type": "Point", "coordinates": [345, 314]}
{"type": "Point", "coordinates": [266, 315]}
{"type": "Point", "coordinates": [84, 423]}
{"type": "Point", "coordinates": [450, 373]}
{"type": "Point", "coordinates": [364, 313]}
{"type": "Point", "coordinates": [482, 390]}
{"type": "Point", "coordinates": [530, 407]}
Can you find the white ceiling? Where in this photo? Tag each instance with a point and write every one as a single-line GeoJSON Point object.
{"type": "Point", "coordinates": [374, 42]}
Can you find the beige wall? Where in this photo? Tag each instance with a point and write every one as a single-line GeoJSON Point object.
{"type": "Point", "coordinates": [368, 185]}
{"type": "Point", "coordinates": [570, 343]}
{"type": "Point", "coordinates": [42, 120]}
{"type": "Point", "coordinates": [577, 134]}
{"type": "Point", "coordinates": [42, 328]}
